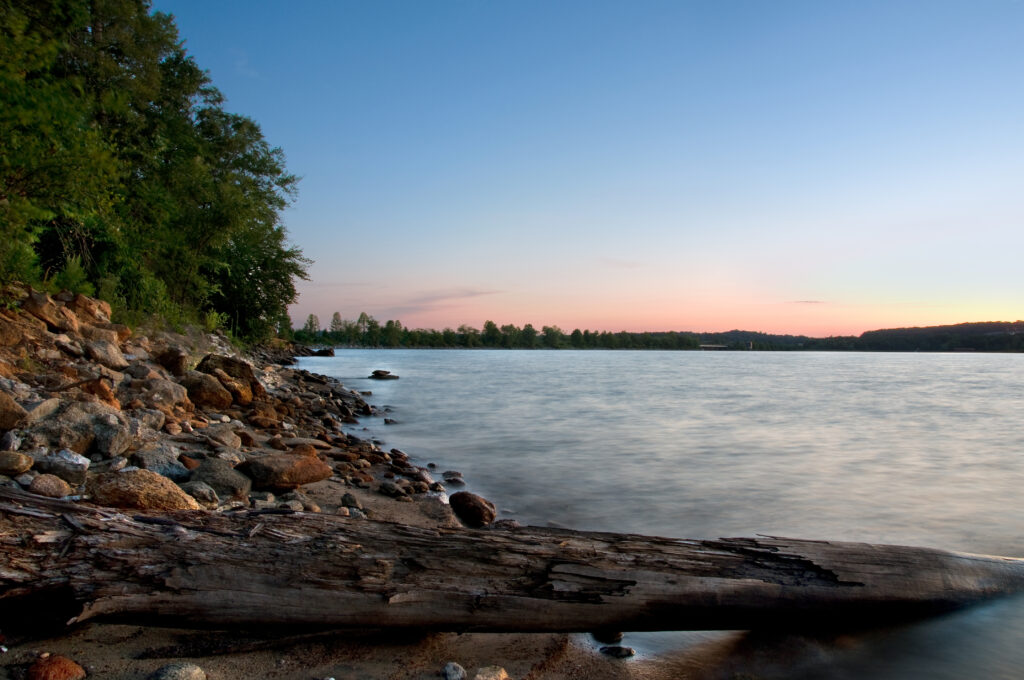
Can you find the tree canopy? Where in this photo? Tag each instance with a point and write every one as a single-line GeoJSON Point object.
{"type": "Point", "coordinates": [121, 171]}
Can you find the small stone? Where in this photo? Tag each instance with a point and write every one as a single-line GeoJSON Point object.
{"type": "Point", "coordinates": [66, 464]}
{"type": "Point", "coordinates": [342, 512]}
{"type": "Point", "coordinates": [618, 651]}
{"type": "Point", "coordinates": [178, 670]}
{"type": "Point", "coordinates": [389, 488]}
{"type": "Point", "coordinates": [55, 667]}
{"type": "Point", "coordinates": [474, 511]}
{"type": "Point", "coordinates": [13, 464]}
{"type": "Point", "coordinates": [51, 486]}
{"type": "Point", "coordinates": [202, 492]}
{"type": "Point", "coordinates": [491, 673]}
{"type": "Point", "coordinates": [10, 441]}
{"type": "Point", "coordinates": [453, 671]}
{"type": "Point", "coordinates": [25, 479]}
{"type": "Point", "coordinates": [350, 501]}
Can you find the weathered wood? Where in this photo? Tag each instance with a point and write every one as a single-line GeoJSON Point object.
{"type": "Point", "coordinates": [253, 568]}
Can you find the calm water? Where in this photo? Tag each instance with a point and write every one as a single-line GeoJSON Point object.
{"type": "Point", "coordinates": [922, 449]}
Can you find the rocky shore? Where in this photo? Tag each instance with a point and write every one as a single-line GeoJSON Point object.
{"type": "Point", "coordinates": [94, 412]}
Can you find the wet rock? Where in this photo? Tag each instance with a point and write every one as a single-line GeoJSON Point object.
{"type": "Point", "coordinates": [285, 471]}
{"type": "Point", "coordinates": [453, 671]}
{"type": "Point", "coordinates": [491, 673]}
{"type": "Point", "coordinates": [453, 478]}
{"type": "Point", "coordinates": [223, 478]}
{"type": "Point", "coordinates": [142, 489]}
{"type": "Point", "coordinates": [162, 459]}
{"type": "Point", "coordinates": [70, 466]}
{"type": "Point", "coordinates": [55, 667]}
{"type": "Point", "coordinates": [178, 670]}
{"type": "Point", "coordinates": [381, 374]}
{"type": "Point", "coordinates": [13, 464]}
{"type": "Point", "coordinates": [203, 493]}
{"type": "Point", "coordinates": [205, 391]}
{"type": "Point", "coordinates": [472, 510]}
{"type": "Point", "coordinates": [618, 651]}
{"type": "Point", "coordinates": [106, 353]}
{"type": "Point", "coordinates": [12, 415]}
{"type": "Point", "coordinates": [51, 486]}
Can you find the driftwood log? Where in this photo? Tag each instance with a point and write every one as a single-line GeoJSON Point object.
{"type": "Point", "coordinates": [203, 569]}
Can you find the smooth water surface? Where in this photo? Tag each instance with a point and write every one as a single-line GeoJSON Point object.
{"type": "Point", "coordinates": [920, 449]}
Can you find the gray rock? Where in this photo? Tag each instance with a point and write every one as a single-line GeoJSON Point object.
{"type": "Point", "coordinates": [7, 482]}
{"type": "Point", "coordinates": [224, 479]}
{"type": "Point", "coordinates": [453, 671]}
{"type": "Point", "coordinates": [262, 496]}
{"type": "Point", "coordinates": [163, 460]}
{"type": "Point", "coordinates": [25, 478]}
{"type": "Point", "coordinates": [618, 651]}
{"type": "Point", "coordinates": [41, 409]}
{"type": "Point", "coordinates": [164, 394]}
{"type": "Point", "coordinates": [178, 670]}
{"type": "Point", "coordinates": [202, 492]}
{"type": "Point", "coordinates": [113, 437]}
{"type": "Point", "coordinates": [350, 501]}
{"type": "Point", "coordinates": [68, 465]}
{"type": "Point", "coordinates": [474, 511]}
{"type": "Point", "coordinates": [106, 353]}
{"type": "Point", "coordinates": [10, 441]}
{"type": "Point", "coordinates": [389, 488]}
{"type": "Point", "coordinates": [223, 434]}
{"type": "Point", "coordinates": [151, 418]}
{"type": "Point", "coordinates": [70, 427]}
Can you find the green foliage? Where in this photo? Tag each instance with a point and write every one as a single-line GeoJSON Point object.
{"type": "Point", "coordinates": [120, 170]}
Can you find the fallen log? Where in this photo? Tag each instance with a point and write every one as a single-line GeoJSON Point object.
{"type": "Point", "coordinates": [256, 568]}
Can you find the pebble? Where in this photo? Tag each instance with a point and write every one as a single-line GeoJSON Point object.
{"type": "Point", "coordinates": [618, 651]}
{"type": "Point", "coordinates": [350, 501]}
{"type": "Point", "coordinates": [178, 670]}
{"type": "Point", "coordinates": [453, 671]}
{"type": "Point", "coordinates": [51, 486]}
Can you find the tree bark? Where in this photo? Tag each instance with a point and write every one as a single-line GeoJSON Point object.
{"type": "Point", "coordinates": [253, 568]}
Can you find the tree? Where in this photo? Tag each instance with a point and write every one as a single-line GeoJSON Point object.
{"type": "Point", "coordinates": [337, 325]}
{"type": "Point", "coordinates": [491, 336]}
{"type": "Point", "coordinates": [528, 336]}
{"type": "Point", "coordinates": [552, 336]}
{"type": "Point", "coordinates": [312, 325]}
{"type": "Point", "coordinates": [576, 338]}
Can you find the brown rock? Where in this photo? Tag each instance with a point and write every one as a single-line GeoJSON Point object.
{"type": "Point", "coordinates": [189, 463]}
{"type": "Point", "coordinates": [102, 390]}
{"type": "Point", "coordinates": [13, 463]}
{"type": "Point", "coordinates": [474, 511]}
{"type": "Point", "coordinates": [165, 395]}
{"type": "Point", "coordinates": [66, 320]}
{"type": "Point", "coordinates": [240, 392]}
{"type": "Point", "coordinates": [140, 489]}
{"type": "Point", "coordinates": [304, 450]}
{"type": "Point", "coordinates": [55, 667]}
{"type": "Point", "coordinates": [205, 391]}
{"type": "Point", "coordinates": [106, 353]}
{"type": "Point", "coordinates": [285, 471]}
{"type": "Point", "coordinates": [40, 305]}
{"type": "Point", "coordinates": [90, 332]}
{"type": "Point", "coordinates": [236, 368]}
{"type": "Point", "coordinates": [9, 334]}
{"type": "Point", "coordinates": [11, 413]}
{"type": "Point", "coordinates": [51, 486]}
{"type": "Point", "coordinates": [174, 359]}
{"type": "Point", "coordinates": [89, 309]}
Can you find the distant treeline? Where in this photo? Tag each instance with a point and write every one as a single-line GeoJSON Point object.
{"type": "Point", "coordinates": [368, 332]}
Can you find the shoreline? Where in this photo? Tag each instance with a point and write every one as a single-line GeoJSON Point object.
{"type": "Point", "coordinates": [94, 413]}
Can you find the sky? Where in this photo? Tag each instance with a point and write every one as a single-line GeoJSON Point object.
{"type": "Point", "coordinates": [819, 168]}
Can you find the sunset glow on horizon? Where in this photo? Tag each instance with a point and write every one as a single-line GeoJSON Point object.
{"type": "Point", "coordinates": [789, 167]}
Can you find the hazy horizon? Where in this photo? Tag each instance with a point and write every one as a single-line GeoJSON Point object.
{"type": "Point", "coordinates": [790, 167]}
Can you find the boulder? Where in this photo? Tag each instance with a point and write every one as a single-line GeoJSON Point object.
{"type": "Point", "coordinates": [55, 667]}
{"type": "Point", "coordinates": [202, 492]}
{"type": "Point", "coordinates": [224, 435]}
{"type": "Point", "coordinates": [113, 436]}
{"type": "Point", "coordinates": [453, 671]}
{"type": "Point", "coordinates": [99, 333]}
{"type": "Point", "coordinates": [13, 463]}
{"type": "Point", "coordinates": [174, 359]}
{"type": "Point", "coordinates": [238, 369]}
{"type": "Point", "coordinates": [92, 310]}
{"type": "Point", "coordinates": [162, 459]}
{"type": "Point", "coordinates": [12, 415]}
{"type": "Point", "coordinates": [51, 486]}
{"type": "Point", "coordinates": [70, 466]}
{"type": "Point", "coordinates": [69, 427]}
{"type": "Point", "coordinates": [241, 393]}
{"type": "Point", "coordinates": [285, 471]}
{"type": "Point", "coordinates": [222, 478]}
{"type": "Point", "coordinates": [106, 353]}
{"type": "Point", "coordinates": [42, 409]}
{"type": "Point", "coordinates": [381, 374]}
{"type": "Point", "coordinates": [164, 395]}
{"type": "Point", "coordinates": [39, 305]}
{"type": "Point", "coordinates": [141, 489]}
{"type": "Point", "coordinates": [474, 511]}
{"type": "Point", "coordinates": [205, 391]}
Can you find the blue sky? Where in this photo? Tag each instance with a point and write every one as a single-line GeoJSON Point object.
{"type": "Point", "coordinates": [806, 167]}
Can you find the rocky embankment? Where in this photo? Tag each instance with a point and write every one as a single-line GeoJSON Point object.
{"type": "Point", "coordinates": [91, 411]}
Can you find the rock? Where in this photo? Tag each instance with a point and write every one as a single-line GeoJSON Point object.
{"type": "Point", "coordinates": [51, 486]}
{"type": "Point", "coordinates": [381, 374]}
{"type": "Point", "coordinates": [350, 501]}
{"type": "Point", "coordinates": [40, 306]}
{"type": "Point", "coordinates": [90, 332]}
{"type": "Point", "coordinates": [163, 460]}
{"type": "Point", "coordinates": [389, 488]}
{"type": "Point", "coordinates": [178, 670]}
{"type": "Point", "coordinates": [9, 334]}
{"type": "Point", "coordinates": [70, 427]}
{"type": "Point", "coordinates": [164, 395]}
{"type": "Point", "coordinates": [304, 450]}
{"type": "Point", "coordinates": [618, 651]}
{"type": "Point", "coordinates": [285, 471]}
{"type": "Point", "coordinates": [102, 391]}
{"type": "Point", "coordinates": [607, 637]}
{"type": "Point", "coordinates": [113, 437]}
{"type": "Point", "coordinates": [90, 309]}
{"type": "Point", "coordinates": [55, 667]}
{"type": "Point", "coordinates": [13, 464]}
{"type": "Point", "coordinates": [202, 492]}
{"type": "Point", "coordinates": [241, 393]}
{"type": "Point", "coordinates": [241, 371]}
{"type": "Point", "coordinates": [41, 409]}
{"type": "Point", "coordinates": [10, 441]}
{"type": "Point", "coordinates": [142, 489]}
{"type": "Point", "coordinates": [12, 415]}
{"type": "Point", "coordinates": [174, 359]}
{"type": "Point", "coordinates": [106, 353]}
{"type": "Point", "coordinates": [205, 391]}
{"type": "Point", "coordinates": [25, 479]}
{"type": "Point", "coordinates": [223, 434]}
{"type": "Point", "coordinates": [66, 464]}
{"type": "Point", "coordinates": [472, 510]}
{"type": "Point", "coordinates": [453, 671]}
{"type": "Point", "coordinates": [223, 478]}
{"type": "Point", "coordinates": [491, 673]}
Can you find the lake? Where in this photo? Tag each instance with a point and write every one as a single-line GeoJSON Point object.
{"type": "Point", "coordinates": [918, 449]}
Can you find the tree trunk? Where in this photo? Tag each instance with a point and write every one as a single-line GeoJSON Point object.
{"type": "Point", "coordinates": [265, 568]}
